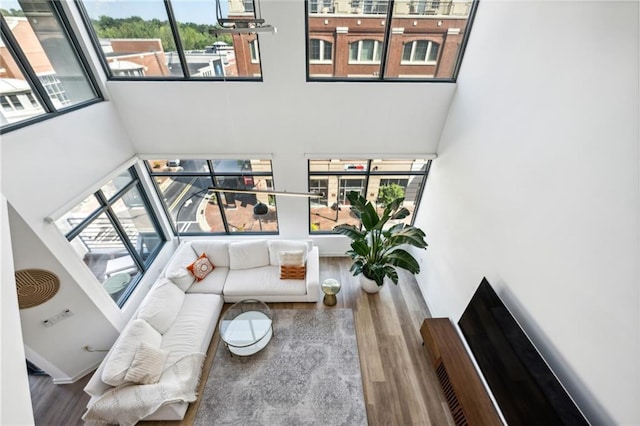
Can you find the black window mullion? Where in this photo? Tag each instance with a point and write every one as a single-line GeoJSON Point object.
{"type": "Point", "coordinates": [366, 178]}
{"type": "Point", "coordinates": [94, 38]}
{"type": "Point", "coordinates": [152, 216]}
{"type": "Point", "coordinates": [165, 208]}
{"type": "Point", "coordinates": [176, 38]}
{"type": "Point", "coordinates": [25, 66]}
{"type": "Point", "coordinates": [223, 215]}
{"type": "Point", "coordinates": [387, 39]}
{"type": "Point", "coordinates": [77, 230]}
{"type": "Point", "coordinates": [421, 189]}
{"type": "Point", "coordinates": [65, 26]}
{"type": "Point", "coordinates": [115, 197]}
{"type": "Point", "coordinates": [117, 226]}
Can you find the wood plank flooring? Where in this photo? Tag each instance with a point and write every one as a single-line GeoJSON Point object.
{"type": "Point", "coordinates": [400, 387]}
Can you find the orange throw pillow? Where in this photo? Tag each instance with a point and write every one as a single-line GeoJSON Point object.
{"type": "Point", "coordinates": [291, 272]}
{"type": "Point", "coordinates": [201, 267]}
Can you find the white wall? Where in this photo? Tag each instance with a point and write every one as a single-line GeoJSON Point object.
{"type": "Point", "coordinates": [58, 349]}
{"type": "Point", "coordinates": [537, 188]}
{"type": "Point", "coordinates": [284, 117]}
{"type": "Point", "coordinates": [49, 166]}
{"type": "Point", "coordinates": [45, 167]}
{"type": "Point", "coordinates": [15, 400]}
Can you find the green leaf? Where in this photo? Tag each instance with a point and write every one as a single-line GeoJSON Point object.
{"type": "Point", "coordinates": [401, 214]}
{"type": "Point", "coordinates": [403, 259]}
{"type": "Point", "coordinates": [350, 231]}
{"type": "Point", "coordinates": [360, 247]}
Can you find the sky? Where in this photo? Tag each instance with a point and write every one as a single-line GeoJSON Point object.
{"type": "Point", "coordinates": [196, 11]}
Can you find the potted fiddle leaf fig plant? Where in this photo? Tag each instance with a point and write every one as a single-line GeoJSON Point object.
{"type": "Point", "coordinates": [377, 250]}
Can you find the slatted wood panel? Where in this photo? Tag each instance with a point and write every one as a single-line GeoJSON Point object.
{"type": "Point", "coordinates": [466, 396]}
{"type": "Point", "coordinates": [400, 386]}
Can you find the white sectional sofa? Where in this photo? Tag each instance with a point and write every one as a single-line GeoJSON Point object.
{"type": "Point", "coordinates": [247, 270]}
{"type": "Point", "coordinates": [158, 356]}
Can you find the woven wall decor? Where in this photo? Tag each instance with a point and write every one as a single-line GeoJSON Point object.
{"type": "Point", "coordinates": [35, 286]}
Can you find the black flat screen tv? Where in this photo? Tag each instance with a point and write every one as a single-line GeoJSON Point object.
{"type": "Point", "coordinates": [524, 387]}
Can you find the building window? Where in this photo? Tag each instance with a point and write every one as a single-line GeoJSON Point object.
{"type": "Point", "coordinates": [416, 40]}
{"type": "Point", "coordinates": [116, 234]}
{"type": "Point", "coordinates": [320, 51]}
{"type": "Point", "coordinates": [380, 181]}
{"type": "Point", "coordinates": [321, 6]}
{"type": "Point", "coordinates": [182, 185]}
{"type": "Point", "coordinates": [377, 7]}
{"type": "Point", "coordinates": [420, 51]}
{"type": "Point", "coordinates": [171, 40]}
{"type": "Point", "coordinates": [365, 51]}
{"type": "Point", "coordinates": [54, 89]}
{"type": "Point", "coordinates": [43, 71]}
{"type": "Point", "coordinates": [255, 53]}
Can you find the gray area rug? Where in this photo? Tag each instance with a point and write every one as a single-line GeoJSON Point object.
{"type": "Point", "coordinates": [309, 374]}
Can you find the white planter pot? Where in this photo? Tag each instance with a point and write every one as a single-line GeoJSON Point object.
{"type": "Point", "coordinates": [368, 285]}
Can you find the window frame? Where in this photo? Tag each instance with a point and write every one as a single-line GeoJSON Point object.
{"type": "Point", "coordinates": [366, 173]}
{"type": "Point", "coordinates": [37, 88]}
{"type": "Point", "coordinates": [254, 51]}
{"type": "Point", "coordinates": [105, 208]}
{"type": "Point", "coordinates": [412, 60]}
{"type": "Point", "coordinates": [322, 50]}
{"type": "Point", "coordinates": [380, 76]}
{"type": "Point", "coordinates": [173, 25]}
{"type": "Point", "coordinates": [378, 48]}
{"type": "Point", "coordinates": [213, 176]}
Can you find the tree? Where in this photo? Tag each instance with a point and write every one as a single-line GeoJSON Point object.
{"type": "Point", "coordinates": [388, 193]}
{"type": "Point", "coordinates": [193, 36]}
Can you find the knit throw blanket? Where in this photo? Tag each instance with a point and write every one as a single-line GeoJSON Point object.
{"type": "Point", "coordinates": [129, 403]}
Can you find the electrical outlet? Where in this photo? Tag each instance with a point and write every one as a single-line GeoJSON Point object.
{"type": "Point", "coordinates": [57, 318]}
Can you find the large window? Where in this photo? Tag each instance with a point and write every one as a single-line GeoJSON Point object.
{"type": "Point", "coordinates": [420, 52]}
{"type": "Point", "coordinates": [158, 39]}
{"type": "Point", "coordinates": [379, 40]}
{"type": "Point", "coordinates": [41, 70]}
{"type": "Point", "coordinates": [116, 234]}
{"type": "Point", "coordinates": [365, 51]}
{"type": "Point", "coordinates": [319, 51]}
{"type": "Point", "coordinates": [195, 210]}
{"type": "Point", "coordinates": [380, 181]}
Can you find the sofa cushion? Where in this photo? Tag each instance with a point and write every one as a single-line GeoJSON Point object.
{"type": "Point", "coordinates": [263, 281]}
{"type": "Point", "coordinates": [147, 365]}
{"type": "Point", "coordinates": [217, 251]}
{"type": "Point", "coordinates": [201, 267]}
{"type": "Point", "coordinates": [176, 269]}
{"type": "Point", "coordinates": [212, 283]}
{"type": "Point", "coordinates": [121, 355]}
{"type": "Point", "coordinates": [186, 336]}
{"type": "Point", "coordinates": [277, 246]}
{"type": "Point", "coordinates": [161, 306]}
{"type": "Point", "coordinates": [248, 254]}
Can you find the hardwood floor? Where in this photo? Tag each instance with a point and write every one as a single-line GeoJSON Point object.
{"type": "Point", "coordinates": [400, 387]}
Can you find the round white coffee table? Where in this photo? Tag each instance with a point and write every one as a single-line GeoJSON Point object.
{"type": "Point", "coordinates": [246, 327]}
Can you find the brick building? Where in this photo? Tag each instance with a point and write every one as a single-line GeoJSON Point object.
{"type": "Point", "coordinates": [347, 38]}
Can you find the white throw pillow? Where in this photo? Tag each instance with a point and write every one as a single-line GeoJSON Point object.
{"type": "Point", "coordinates": [161, 306]}
{"type": "Point", "coordinates": [248, 254]}
{"type": "Point", "coordinates": [217, 251]}
{"type": "Point", "coordinates": [292, 258]}
{"type": "Point", "coordinates": [147, 365]}
{"type": "Point", "coordinates": [177, 268]}
{"type": "Point", "coordinates": [125, 348]}
{"type": "Point", "coordinates": [276, 246]}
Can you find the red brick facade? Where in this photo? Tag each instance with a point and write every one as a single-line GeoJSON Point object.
{"type": "Point", "coordinates": [341, 31]}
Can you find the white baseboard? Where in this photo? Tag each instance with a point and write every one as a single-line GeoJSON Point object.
{"type": "Point", "coordinates": [75, 378]}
